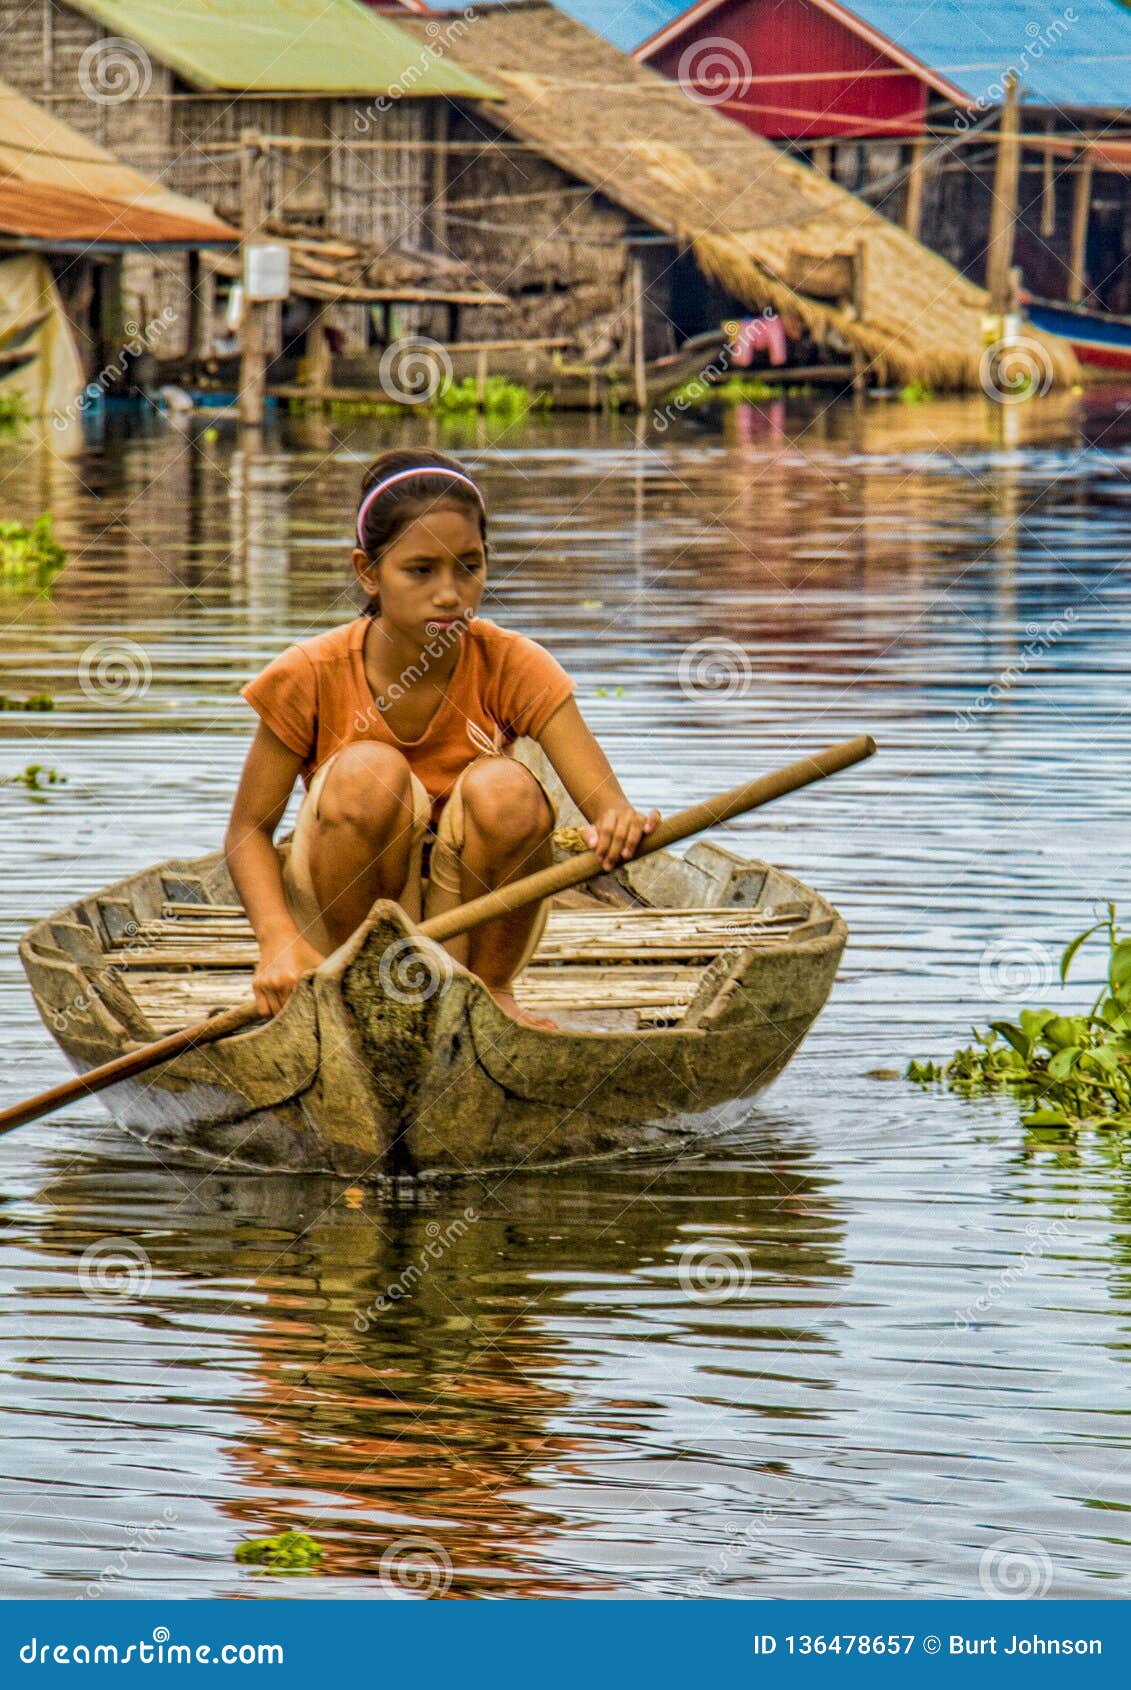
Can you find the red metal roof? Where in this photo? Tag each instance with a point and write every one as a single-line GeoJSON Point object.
{"type": "Point", "coordinates": [34, 211]}
{"type": "Point", "coordinates": [58, 185]}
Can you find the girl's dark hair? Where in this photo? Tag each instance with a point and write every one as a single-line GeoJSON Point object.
{"type": "Point", "coordinates": [390, 514]}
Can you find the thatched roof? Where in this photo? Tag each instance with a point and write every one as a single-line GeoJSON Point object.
{"type": "Point", "coordinates": [747, 211]}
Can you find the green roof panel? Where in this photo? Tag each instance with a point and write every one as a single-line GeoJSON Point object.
{"type": "Point", "coordinates": [286, 46]}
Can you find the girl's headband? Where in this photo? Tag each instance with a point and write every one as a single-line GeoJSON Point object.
{"type": "Point", "coordinates": [391, 480]}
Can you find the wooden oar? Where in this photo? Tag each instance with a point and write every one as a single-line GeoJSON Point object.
{"type": "Point", "coordinates": [504, 901]}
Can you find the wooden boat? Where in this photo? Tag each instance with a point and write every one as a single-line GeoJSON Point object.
{"type": "Point", "coordinates": [680, 985]}
{"type": "Point", "coordinates": [1100, 340]}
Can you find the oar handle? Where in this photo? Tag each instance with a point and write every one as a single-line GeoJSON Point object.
{"type": "Point", "coordinates": [134, 1062]}
{"type": "Point", "coordinates": [503, 901]}
{"type": "Point", "coordinates": [710, 813]}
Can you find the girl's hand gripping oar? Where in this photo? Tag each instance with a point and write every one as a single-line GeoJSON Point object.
{"type": "Point", "coordinates": [505, 899]}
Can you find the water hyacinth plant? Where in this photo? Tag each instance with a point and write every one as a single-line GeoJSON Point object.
{"type": "Point", "coordinates": [29, 557]}
{"type": "Point", "coordinates": [289, 1552]}
{"type": "Point", "coordinates": [1071, 1070]}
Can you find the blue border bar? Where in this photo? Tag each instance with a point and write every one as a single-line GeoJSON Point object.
{"type": "Point", "coordinates": [543, 1645]}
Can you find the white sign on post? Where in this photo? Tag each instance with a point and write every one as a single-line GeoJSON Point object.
{"type": "Point", "coordinates": [266, 270]}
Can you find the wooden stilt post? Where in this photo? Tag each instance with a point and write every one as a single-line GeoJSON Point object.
{"type": "Point", "coordinates": [1078, 251]}
{"type": "Point", "coordinates": [1048, 189]}
{"type": "Point", "coordinates": [253, 360]}
{"type": "Point", "coordinates": [1003, 214]}
{"type": "Point", "coordinates": [319, 360]}
{"type": "Point", "coordinates": [639, 378]}
{"type": "Point", "coordinates": [913, 209]}
{"type": "Point", "coordinates": [860, 310]}
{"type": "Point", "coordinates": [481, 378]}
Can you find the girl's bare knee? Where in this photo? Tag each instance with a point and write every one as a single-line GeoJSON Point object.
{"type": "Point", "coordinates": [368, 787]}
{"type": "Point", "coordinates": [505, 802]}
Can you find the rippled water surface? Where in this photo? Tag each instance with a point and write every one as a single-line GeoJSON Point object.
{"type": "Point", "coordinates": [905, 1372]}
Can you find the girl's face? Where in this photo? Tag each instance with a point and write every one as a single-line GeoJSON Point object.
{"type": "Point", "coordinates": [431, 577]}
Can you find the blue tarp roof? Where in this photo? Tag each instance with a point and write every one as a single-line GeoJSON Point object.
{"type": "Point", "coordinates": [1073, 55]}
{"type": "Point", "coordinates": [1065, 55]}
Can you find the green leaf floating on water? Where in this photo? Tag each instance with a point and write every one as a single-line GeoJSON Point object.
{"type": "Point", "coordinates": [1067, 1070]}
{"type": "Point", "coordinates": [289, 1552]}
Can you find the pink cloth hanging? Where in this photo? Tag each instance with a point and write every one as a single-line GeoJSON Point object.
{"type": "Point", "coordinates": [759, 334]}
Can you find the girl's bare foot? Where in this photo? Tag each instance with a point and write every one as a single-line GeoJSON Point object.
{"type": "Point", "coordinates": [506, 1001]}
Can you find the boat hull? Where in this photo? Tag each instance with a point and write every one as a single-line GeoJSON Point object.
{"type": "Point", "coordinates": [391, 1059]}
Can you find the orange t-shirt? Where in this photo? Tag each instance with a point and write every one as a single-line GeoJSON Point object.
{"type": "Point", "coordinates": [315, 697]}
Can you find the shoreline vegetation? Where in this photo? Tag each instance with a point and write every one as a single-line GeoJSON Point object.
{"type": "Point", "coordinates": [1071, 1071]}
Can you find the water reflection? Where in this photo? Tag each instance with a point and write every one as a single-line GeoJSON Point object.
{"type": "Point", "coordinates": [413, 1370]}
{"type": "Point", "coordinates": [926, 1349]}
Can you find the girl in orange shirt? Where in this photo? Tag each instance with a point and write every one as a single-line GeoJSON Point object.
{"type": "Point", "coordinates": [400, 723]}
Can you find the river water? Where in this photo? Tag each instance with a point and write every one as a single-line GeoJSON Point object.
{"type": "Point", "coordinates": [873, 1344]}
